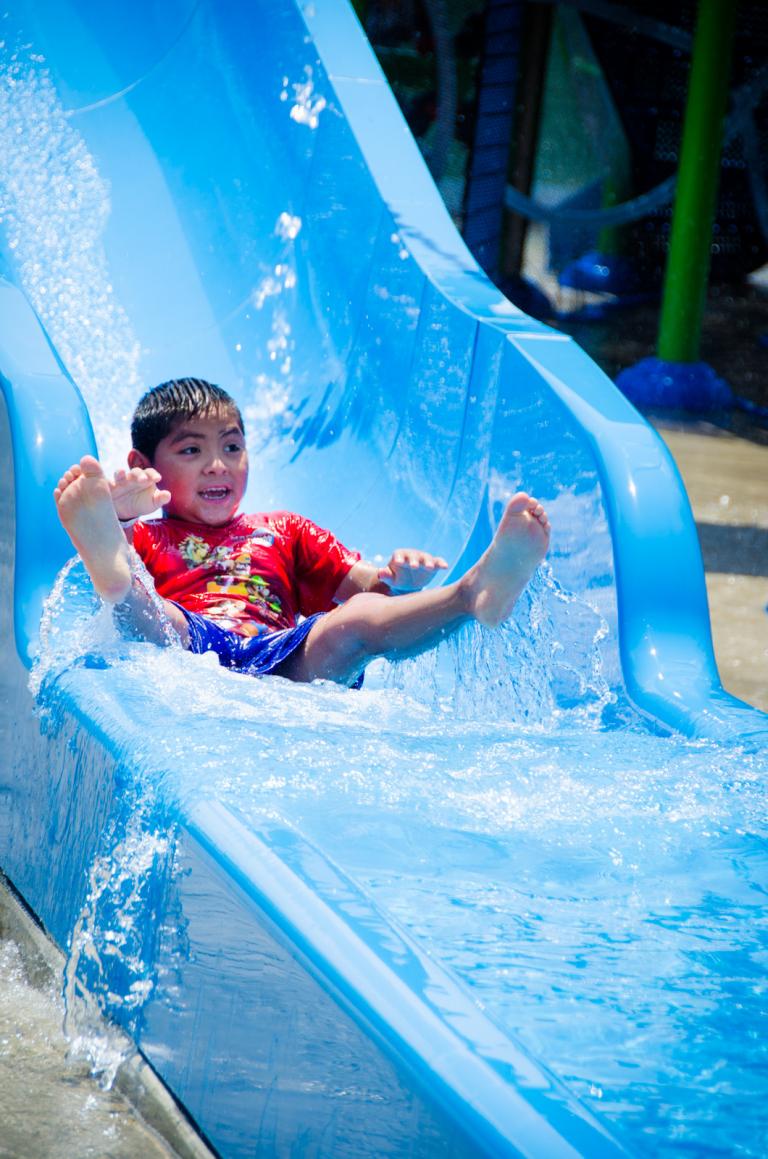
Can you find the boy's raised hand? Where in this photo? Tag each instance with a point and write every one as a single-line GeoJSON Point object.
{"type": "Point", "coordinates": [409, 569]}
{"type": "Point", "coordinates": [135, 493]}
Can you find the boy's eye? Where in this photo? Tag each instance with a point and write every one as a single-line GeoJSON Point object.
{"type": "Point", "coordinates": [234, 448]}
{"type": "Point", "coordinates": [191, 450]}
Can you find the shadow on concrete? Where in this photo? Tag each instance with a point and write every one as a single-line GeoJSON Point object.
{"type": "Point", "coordinates": [735, 550]}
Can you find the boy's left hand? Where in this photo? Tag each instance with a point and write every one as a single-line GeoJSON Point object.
{"type": "Point", "coordinates": [135, 493]}
{"type": "Point", "coordinates": [409, 569]}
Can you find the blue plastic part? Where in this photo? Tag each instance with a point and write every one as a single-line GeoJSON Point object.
{"type": "Point", "coordinates": [689, 386]}
{"type": "Point", "coordinates": [758, 413]}
{"type": "Point", "coordinates": [413, 385]}
{"type": "Point", "coordinates": [603, 274]}
{"type": "Point", "coordinates": [43, 403]}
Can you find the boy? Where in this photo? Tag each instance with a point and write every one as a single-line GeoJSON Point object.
{"type": "Point", "coordinates": [233, 583]}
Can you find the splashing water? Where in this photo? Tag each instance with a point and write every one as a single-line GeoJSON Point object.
{"type": "Point", "coordinates": [77, 627]}
{"type": "Point", "coordinates": [54, 210]}
{"type": "Point", "coordinates": [592, 882]}
{"type": "Point", "coordinates": [109, 961]}
{"type": "Point", "coordinates": [270, 414]}
{"type": "Point", "coordinates": [288, 226]}
{"type": "Point", "coordinates": [307, 106]}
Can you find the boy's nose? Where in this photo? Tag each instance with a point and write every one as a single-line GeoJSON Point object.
{"type": "Point", "coordinates": [215, 466]}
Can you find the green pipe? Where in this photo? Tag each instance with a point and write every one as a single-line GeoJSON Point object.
{"type": "Point", "coordinates": [685, 283]}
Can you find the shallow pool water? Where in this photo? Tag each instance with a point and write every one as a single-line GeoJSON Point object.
{"type": "Point", "coordinates": [598, 887]}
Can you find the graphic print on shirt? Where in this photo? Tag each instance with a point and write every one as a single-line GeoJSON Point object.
{"type": "Point", "coordinates": [233, 576]}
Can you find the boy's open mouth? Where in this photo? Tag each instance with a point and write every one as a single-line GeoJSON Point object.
{"type": "Point", "coordinates": [215, 494]}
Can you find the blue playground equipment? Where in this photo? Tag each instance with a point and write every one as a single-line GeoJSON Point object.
{"type": "Point", "coordinates": [229, 191]}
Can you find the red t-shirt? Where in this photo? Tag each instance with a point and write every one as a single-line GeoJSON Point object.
{"type": "Point", "coordinates": [256, 573]}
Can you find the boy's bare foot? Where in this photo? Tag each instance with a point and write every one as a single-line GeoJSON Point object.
{"type": "Point", "coordinates": [84, 503]}
{"type": "Point", "coordinates": [496, 581]}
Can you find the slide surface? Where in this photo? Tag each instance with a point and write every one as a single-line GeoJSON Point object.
{"type": "Point", "coordinates": [228, 191]}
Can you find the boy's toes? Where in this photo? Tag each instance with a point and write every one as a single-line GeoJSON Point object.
{"type": "Point", "coordinates": [67, 478]}
{"type": "Point", "coordinates": [90, 466]}
{"type": "Point", "coordinates": [523, 503]}
{"type": "Point", "coordinates": [537, 511]}
{"type": "Point", "coordinates": [519, 502]}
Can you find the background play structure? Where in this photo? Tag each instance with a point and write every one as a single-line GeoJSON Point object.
{"type": "Point", "coordinates": [230, 191]}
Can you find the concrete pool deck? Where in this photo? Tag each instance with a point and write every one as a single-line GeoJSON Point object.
{"type": "Point", "coordinates": [726, 477]}
{"type": "Point", "coordinates": [51, 1107]}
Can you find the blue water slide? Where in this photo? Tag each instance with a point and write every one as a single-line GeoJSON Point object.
{"type": "Point", "coordinates": [229, 191]}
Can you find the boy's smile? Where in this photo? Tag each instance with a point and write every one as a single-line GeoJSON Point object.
{"type": "Point", "coordinates": [204, 464]}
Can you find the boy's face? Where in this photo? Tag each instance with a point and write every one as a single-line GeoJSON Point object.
{"type": "Point", "coordinates": [204, 464]}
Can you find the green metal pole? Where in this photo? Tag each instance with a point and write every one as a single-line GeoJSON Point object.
{"type": "Point", "coordinates": [685, 283]}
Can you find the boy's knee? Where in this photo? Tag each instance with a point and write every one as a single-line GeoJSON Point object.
{"type": "Point", "coordinates": [356, 625]}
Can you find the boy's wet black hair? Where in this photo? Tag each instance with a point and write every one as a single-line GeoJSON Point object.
{"type": "Point", "coordinates": [163, 407]}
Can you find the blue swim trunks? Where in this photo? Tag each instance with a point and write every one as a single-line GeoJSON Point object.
{"type": "Point", "coordinates": [252, 655]}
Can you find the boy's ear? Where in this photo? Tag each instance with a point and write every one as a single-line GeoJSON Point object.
{"type": "Point", "coordinates": [136, 459]}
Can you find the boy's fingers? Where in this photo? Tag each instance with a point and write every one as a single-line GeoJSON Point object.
{"type": "Point", "coordinates": [417, 560]}
{"type": "Point", "coordinates": [428, 562]}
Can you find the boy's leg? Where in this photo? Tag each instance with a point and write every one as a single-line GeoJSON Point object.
{"type": "Point", "coordinates": [370, 625]}
{"type": "Point", "coordinates": [84, 503]}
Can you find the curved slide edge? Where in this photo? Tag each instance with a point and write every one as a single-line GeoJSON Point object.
{"type": "Point", "coordinates": [665, 636]}
{"type": "Point", "coordinates": [49, 430]}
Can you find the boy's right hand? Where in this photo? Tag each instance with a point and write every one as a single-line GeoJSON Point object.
{"type": "Point", "coordinates": [135, 493]}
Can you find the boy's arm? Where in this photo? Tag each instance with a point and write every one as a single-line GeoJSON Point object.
{"type": "Point", "coordinates": [408, 570]}
{"type": "Point", "coordinates": [135, 493]}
